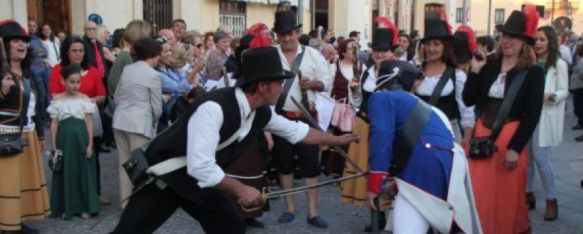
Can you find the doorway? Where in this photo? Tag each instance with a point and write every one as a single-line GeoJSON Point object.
{"type": "Point", "coordinates": [56, 13]}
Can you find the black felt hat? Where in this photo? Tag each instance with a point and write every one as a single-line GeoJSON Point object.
{"type": "Point", "coordinates": [396, 75]}
{"type": "Point", "coordinates": [262, 64]}
{"type": "Point", "coordinates": [521, 24]}
{"type": "Point", "coordinates": [10, 29]}
{"type": "Point", "coordinates": [464, 40]}
{"type": "Point", "coordinates": [382, 39]}
{"type": "Point", "coordinates": [285, 21]}
{"type": "Point", "coordinates": [436, 29]}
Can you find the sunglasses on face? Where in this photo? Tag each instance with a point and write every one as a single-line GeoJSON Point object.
{"type": "Point", "coordinates": [161, 39]}
{"type": "Point", "coordinates": [198, 46]}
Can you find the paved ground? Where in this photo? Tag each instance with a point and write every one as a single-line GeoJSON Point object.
{"type": "Point", "coordinates": [567, 161]}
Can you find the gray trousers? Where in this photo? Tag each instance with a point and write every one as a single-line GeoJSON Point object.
{"type": "Point", "coordinates": [541, 157]}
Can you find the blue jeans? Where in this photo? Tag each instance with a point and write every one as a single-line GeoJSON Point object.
{"type": "Point", "coordinates": [540, 156]}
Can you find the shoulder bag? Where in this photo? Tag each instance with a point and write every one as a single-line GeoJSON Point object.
{"type": "Point", "coordinates": [13, 144]}
{"type": "Point", "coordinates": [485, 147]}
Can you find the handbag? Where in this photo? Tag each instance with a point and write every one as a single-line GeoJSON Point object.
{"type": "Point", "coordinates": [13, 144]}
{"type": "Point", "coordinates": [343, 116]}
{"type": "Point", "coordinates": [56, 160]}
{"type": "Point", "coordinates": [485, 147]}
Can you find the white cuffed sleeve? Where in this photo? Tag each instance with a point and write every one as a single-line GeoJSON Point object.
{"type": "Point", "coordinates": [201, 144]}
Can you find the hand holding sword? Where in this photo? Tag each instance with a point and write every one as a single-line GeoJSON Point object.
{"type": "Point", "coordinates": [317, 136]}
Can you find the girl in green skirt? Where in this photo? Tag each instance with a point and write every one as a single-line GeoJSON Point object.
{"type": "Point", "coordinates": [74, 189]}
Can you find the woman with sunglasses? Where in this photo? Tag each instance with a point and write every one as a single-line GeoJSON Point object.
{"type": "Point", "coordinates": [345, 89]}
{"type": "Point", "coordinates": [174, 84]}
{"type": "Point", "coordinates": [196, 72]}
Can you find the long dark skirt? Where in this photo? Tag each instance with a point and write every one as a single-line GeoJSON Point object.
{"type": "Point", "coordinates": [74, 189]}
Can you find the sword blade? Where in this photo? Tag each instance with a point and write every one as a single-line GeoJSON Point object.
{"type": "Point", "coordinates": [315, 124]}
{"type": "Point", "coordinates": [272, 195]}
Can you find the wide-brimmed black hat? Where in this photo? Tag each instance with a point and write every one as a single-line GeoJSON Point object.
{"type": "Point", "coordinates": [10, 29]}
{"type": "Point", "coordinates": [396, 75]}
{"type": "Point", "coordinates": [521, 24]}
{"type": "Point", "coordinates": [382, 40]}
{"type": "Point", "coordinates": [262, 64]}
{"type": "Point", "coordinates": [285, 21]}
{"type": "Point", "coordinates": [436, 29]}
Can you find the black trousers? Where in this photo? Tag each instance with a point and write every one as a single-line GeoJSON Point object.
{"type": "Point", "coordinates": [578, 105]}
{"type": "Point", "coordinates": [149, 208]}
{"type": "Point", "coordinates": [307, 157]}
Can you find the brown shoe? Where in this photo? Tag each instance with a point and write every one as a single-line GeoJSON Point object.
{"type": "Point", "coordinates": [552, 210]}
{"type": "Point", "coordinates": [530, 200]}
{"type": "Point", "coordinates": [104, 200]}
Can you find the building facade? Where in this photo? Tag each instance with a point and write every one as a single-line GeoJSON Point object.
{"type": "Point", "coordinates": [201, 15]}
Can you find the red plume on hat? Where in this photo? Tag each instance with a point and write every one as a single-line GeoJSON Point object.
{"type": "Point", "coordinates": [261, 38]}
{"type": "Point", "coordinates": [386, 23]}
{"type": "Point", "coordinates": [12, 29]}
{"type": "Point", "coordinates": [471, 36]}
{"type": "Point", "coordinates": [531, 20]}
{"type": "Point", "coordinates": [443, 17]}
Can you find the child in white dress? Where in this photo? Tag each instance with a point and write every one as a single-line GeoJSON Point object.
{"type": "Point", "coordinates": [74, 190]}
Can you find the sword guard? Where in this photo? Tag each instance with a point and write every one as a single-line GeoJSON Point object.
{"type": "Point", "coordinates": [259, 206]}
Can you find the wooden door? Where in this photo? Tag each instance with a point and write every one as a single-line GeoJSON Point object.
{"type": "Point", "coordinates": [56, 13]}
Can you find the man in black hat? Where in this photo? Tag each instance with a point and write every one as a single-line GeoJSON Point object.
{"type": "Point", "coordinates": [212, 136]}
{"type": "Point", "coordinates": [314, 78]}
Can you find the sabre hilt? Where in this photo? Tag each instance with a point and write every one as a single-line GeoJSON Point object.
{"type": "Point", "coordinates": [260, 205]}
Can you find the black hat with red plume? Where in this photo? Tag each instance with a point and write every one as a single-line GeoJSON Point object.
{"type": "Point", "coordinates": [465, 44]}
{"type": "Point", "coordinates": [521, 24]}
{"type": "Point", "coordinates": [436, 26]}
{"type": "Point", "coordinates": [11, 29]}
{"type": "Point", "coordinates": [386, 36]}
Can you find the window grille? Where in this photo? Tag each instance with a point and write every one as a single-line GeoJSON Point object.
{"type": "Point", "coordinates": [158, 13]}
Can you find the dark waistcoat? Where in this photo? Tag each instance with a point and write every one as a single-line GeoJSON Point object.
{"type": "Point", "coordinates": [172, 142]}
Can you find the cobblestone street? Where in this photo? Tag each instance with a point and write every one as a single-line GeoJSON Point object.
{"type": "Point", "coordinates": [567, 161]}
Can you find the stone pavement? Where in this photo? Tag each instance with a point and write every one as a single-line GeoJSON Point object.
{"type": "Point", "coordinates": [567, 161]}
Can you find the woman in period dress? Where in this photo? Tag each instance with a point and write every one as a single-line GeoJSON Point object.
{"type": "Point", "coordinates": [384, 41]}
{"type": "Point", "coordinates": [499, 182]}
{"type": "Point", "coordinates": [439, 62]}
{"type": "Point", "coordinates": [346, 89]}
{"type": "Point", "coordinates": [23, 187]}
{"type": "Point", "coordinates": [74, 188]}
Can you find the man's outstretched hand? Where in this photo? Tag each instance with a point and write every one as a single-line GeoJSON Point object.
{"type": "Point", "coordinates": [347, 139]}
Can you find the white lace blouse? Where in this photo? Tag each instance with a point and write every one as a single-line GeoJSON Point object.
{"type": "Point", "coordinates": [497, 88]}
{"type": "Point", "coordinates": [71, 107]}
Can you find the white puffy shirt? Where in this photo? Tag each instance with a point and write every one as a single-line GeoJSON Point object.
{"type": "Point", "coordinates": [428, 85]}
{"type": "Point", "coordinates": [203, 137]}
